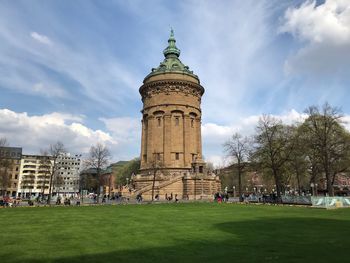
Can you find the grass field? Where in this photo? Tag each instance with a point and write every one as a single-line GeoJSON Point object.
{"type": "Point", "coordinates": [175, 233]}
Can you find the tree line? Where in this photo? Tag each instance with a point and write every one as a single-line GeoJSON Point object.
{"type": "Point", "coordinates": [316, 149]}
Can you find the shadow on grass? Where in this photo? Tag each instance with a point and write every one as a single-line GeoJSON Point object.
{"type": "Point", "coordinates": [264, 240]}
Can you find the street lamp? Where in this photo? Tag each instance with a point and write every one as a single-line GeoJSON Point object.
{"type": "Point", "coordinates": [234, 191]}
{"type": "Point", "coordinates": [312, 188]}
{"type": "Point", "coordinates": [316, 189]}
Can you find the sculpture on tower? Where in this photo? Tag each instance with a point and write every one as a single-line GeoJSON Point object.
{"type": "Point", "coordinates": [171, 142]}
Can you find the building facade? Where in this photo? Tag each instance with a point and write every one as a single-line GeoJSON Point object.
{"type": "Point", "coordinates": [36, 170]}
{"type": "Point", "coordinates": [34, 179]}
{"type": "Point", "coordinates": [171, 141]}
{"type": "Point", "coordinates": [67, 176]}
{"type": "Point", "coordinates": [10, 158]}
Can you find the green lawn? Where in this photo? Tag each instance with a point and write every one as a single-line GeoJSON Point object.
{"type": "Point", "coordinates": [175, 233]}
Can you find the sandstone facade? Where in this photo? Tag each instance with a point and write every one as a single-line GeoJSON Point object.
{"type": "Point", "coordinates": [171, 142]}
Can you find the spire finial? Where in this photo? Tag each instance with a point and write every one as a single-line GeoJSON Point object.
{"type": "Point", "coordinates": [171, 50]}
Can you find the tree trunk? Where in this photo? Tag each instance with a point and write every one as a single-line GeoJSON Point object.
{"type": "Point", "coordinates": [51, 181]}
{"type": "Point", "coordinates": [278, 186]}
{"type": "Point", "coordinates": [153, 183]}
{"type": "Point", "coordinates": [330, 188]}
{"type": "Point", "coordinates": [240, 185]}
{"type": "Point", "coordinates": [298, 181]}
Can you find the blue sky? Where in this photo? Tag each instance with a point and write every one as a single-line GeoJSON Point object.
{"type": "Point", "coordinates": [70, 70]}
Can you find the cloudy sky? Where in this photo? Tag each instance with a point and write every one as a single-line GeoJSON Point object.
{"type": "Point", "coordinates": [70, 70]}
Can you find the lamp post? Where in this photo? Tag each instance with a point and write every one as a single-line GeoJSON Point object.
{"type": "Point", "coordinates": [312, 188]}
{"type": "Point", "coordinates": [234, 191]}
{"type": "Point", "coordinates": [316, 189]}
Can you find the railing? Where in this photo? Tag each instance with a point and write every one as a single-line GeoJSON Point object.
{"type": "Point", "coordinates": [163, 184]}
{"type": "Point", "coordinates": [286, 199]}
{"type": "Point", "coordinates": [330, 202]}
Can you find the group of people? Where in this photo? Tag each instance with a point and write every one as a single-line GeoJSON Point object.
{"type": "Point", "coordinates": [139, 198]}
{"type": "Point", "coordinates": [171, 197]}
{"type": "Point", "coordinates": [221, 197]}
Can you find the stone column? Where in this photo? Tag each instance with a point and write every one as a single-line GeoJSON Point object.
{"type": "Point", "coordinates": [187, 140]}
{"type": "Point", "coordinates": [167, 139]}
{"type": "Point", "coordinates": [143, 142]}
{"type": "Point", "coordinates": [199, 137]}
{"type": "Point", "coordinates": [150, 125]}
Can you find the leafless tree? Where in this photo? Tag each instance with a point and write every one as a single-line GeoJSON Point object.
{"type": "Point", "coordinates": [329, 141]}
{"type": "Point", "coordinates": [4, 142]}
{"type": "Point", "coordinates": [156, 165]}
{"type": "Point", "coordinates": [55, 151]}
{"type": "Point", "coordinates": [44, 171]}
{"type": "Point", "coordinates": [98, 159]}
{"type": "Point", "coordinates": [238, 148]}
{"type": "Point", "coordinates": [273, 148]}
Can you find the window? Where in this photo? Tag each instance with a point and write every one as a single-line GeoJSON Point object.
{"type": "Point", "coordinates": [16, 176]}
{"type": "Point", "coordinates": [177, 121]}
{"type": "Point", "coordinates": [145, 157]}
{"type": "Point", "coordinates": [192, 123]}
{"type": "Point", "coordinates": [158, 156]}
{"type": "Point", "coordinates": [159, 122]}
{"type": "Point", "coordinates": [200, 169]}
{"type": "Point", "coordinates": [177, 156]}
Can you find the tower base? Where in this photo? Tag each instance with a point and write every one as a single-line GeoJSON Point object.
{"type": "Point", "coordinates": [180, 185]}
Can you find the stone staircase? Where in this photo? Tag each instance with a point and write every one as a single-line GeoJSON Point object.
{"type": "Point", "coordinates": [161, 185]}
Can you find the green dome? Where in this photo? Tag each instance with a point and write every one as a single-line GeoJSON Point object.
{"type": "Point", "coordinates": [171, 63]}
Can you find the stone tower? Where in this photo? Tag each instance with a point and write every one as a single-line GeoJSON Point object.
{"type": "Point", "coordinates": [171, 142]}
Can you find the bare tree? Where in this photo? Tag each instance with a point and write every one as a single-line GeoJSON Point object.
{"type": "Point", "coordinates": [238, 148]}
{"type": "Point", "coordinates": [4, 142]}
{"type": "Point", "coordinates": [156, 165]}
{"type": "Point", "coordinates": [56, 151]}
{"type": "Point", "coordinates": [98, 159]}
{"type": "Point", "coordinates": [273, 148]}
{"type": "Point", "coordinates": [328, 140]}
{"type": "Point", "coordinates": [44, 171]}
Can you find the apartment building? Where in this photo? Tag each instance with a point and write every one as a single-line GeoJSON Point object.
{"type": "Point", "coordinates": [10, 158]}
{"type": "Point", "coordinates": [34, 179]}
{"type": "Point", "coordinates": [67, 179]}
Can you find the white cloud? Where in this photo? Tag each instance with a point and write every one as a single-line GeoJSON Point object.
{"type": "Point", "coordinates": [126, 128]}
{"type": "Point", "coordinates": [214, 135]}
{"type": "Point", "coordinates": [49, 90]}
{"type": "Point", "coordinates": [326, 23]}
{"type": "Point", "coordinates": [39, 131]}
{"type": "Point", "coordinates": [325, 31]}
{"type": "Point", "coordinates": [41, 38]}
